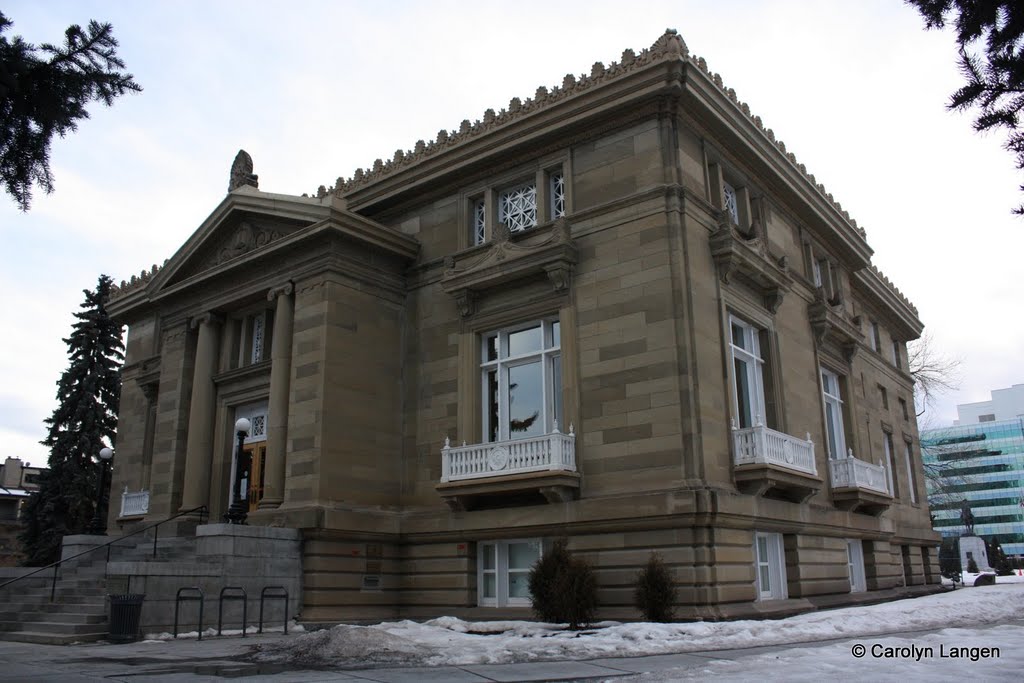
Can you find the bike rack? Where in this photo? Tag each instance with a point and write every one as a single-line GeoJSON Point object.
{"type": "Point", "coordinates": [178, 598]}
{"type": "Point", "coordinates": [281, 592]}
{"type": "Point", "coordinates": [239, 594]}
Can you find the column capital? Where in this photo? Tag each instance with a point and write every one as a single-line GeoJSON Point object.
{"type": "Point", "coordinates": [280, 290]}
{"type": "Point", "coordinates": [208, 318]}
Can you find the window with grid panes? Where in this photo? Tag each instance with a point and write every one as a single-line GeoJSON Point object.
{"type": "Point", "coordinates": [521, 370]}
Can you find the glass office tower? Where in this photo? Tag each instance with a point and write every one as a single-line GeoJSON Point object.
{"type": "Point", "coordinates": [984, 464]}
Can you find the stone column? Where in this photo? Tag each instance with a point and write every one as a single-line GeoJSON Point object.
{"type": "Point", "coordinates": [199, 448]}
{"type": "Point", "coordinates": [280, 385]}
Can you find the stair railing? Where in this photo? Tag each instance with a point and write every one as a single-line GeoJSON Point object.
{"type": "Point", "coordinates": [202, 510]}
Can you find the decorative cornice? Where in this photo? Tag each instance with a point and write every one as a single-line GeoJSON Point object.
{"type": "Point", "coordinates": [893, 288]}
{"type": "Point", "coordinates": [900, 313]}
{"type": "Point", "coordinates": [136, 282]}
{"type": "Point", "coordinates": [668, 47]}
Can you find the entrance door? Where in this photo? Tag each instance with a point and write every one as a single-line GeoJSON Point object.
{"type": "Point", "coordinates": [257, 453]}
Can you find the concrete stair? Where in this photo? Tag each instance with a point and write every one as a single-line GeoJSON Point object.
{"type": "Point", "coordinates": [80, 610]}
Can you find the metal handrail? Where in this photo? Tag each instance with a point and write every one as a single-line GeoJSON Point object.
{"type": "Point", "coordinates": [202, 510]}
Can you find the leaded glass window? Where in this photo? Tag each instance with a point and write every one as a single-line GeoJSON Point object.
{"type": "Point", "coordinates": [557, 189]}
{"type": "Point", "coordinates": [730, 202]}
{"type": "Point", "coordinates": [479, 221]}
{"type": "Point", "coordinates": [258, 323]}
{"type": "Point", "coordinates": [517, 207]}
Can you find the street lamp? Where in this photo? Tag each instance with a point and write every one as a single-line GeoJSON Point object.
{"type": "Point", "coordinates": [98, 525]}
{"type": "Point", "coordinates": [239, 509]}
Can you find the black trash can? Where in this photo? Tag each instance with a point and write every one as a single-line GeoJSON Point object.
{"type": "Point", "coordinates": [125, 613]}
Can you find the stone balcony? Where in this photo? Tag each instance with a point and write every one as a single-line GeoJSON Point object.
{"type": "Point", "coordinates": [536, 469]}
{"type": "Point", "coordinates": [859, 486]}
{"type": "Point", "coordinates": [773, 464]}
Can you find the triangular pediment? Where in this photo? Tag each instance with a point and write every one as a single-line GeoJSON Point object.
{"type": "Point", "coordinates": [246, 222]}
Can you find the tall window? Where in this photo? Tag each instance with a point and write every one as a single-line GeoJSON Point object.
{"type": "Point", "coordinates": [876, 339]}
{"type": "Point", "coordinates": [771, 568]}
{"type": "Point", "coordinates": [556, 190]}
{"type": "Point", "coordinates": [896, 354]}
{"type": "Point", "coordinates": [503, 572]}
{"type": "Point", "coordinates": [833, 414]}
{"type": "Point", "coordinates": [855, 565]}
{"type": "Point", "coordinates": [522, 381]}
{"type": "Point", "coordinates": [251, 338]}
{"type": "Point", "coordinates": [479, 221]}
{"type": "Point", "coordinates": [748, 373]}
{"type": "Point", "coordinates": [909, 453]}
{"type": "Point", "coordinates": [894, 484]}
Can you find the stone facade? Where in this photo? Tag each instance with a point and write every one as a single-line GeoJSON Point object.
{"type": "Point", "coordinates": [638, 222]}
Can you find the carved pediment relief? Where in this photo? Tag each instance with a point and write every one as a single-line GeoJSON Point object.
{"type": "Point", "coordinates": [832, 324]}
{"type": "Point", "coordinates": [506, 259]}
{"type": "Point", "coordinates": [232, 241]}
{"type": "Point", "coordinates": [748, 257]}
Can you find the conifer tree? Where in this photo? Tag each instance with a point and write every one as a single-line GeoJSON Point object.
{"type": "Point", "coordinates": [991, 38]}
{"type": "Point", "coordinates": [46, 94]}
{"type": "Point", "coordinates": [84, 421]}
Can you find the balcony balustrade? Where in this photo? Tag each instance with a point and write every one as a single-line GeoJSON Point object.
{"type": "Point", "coordinates": [544, 465]}
{"type": "Point", "coordinates": [761, 445]}
{"type": "Point", "coordinates": [858, 485]}
{"type": "Point", "coordinates": [554, 451]}
{"type": "Point", "coordinates": [134, 503]}
{"type": "Point", "coordinates": [773, 464]}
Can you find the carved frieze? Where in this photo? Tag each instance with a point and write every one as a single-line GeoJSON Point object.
{"type": "Point", "coordinates": [506, 259]}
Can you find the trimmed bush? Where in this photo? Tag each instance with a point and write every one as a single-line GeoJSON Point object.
{"type": "Point", "coordinates": [655, 595]}
{"type": "Point", "coordinates": [563, 588]}
{"type": "Point", "coordinates": [972, 566]}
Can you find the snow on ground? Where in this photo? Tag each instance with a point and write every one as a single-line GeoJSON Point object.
{"type": "Point", "coordinates": [451, 641]}
{"type": "Point", "coordinates": [895, 659]}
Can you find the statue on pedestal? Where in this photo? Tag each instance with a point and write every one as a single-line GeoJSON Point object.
{"type": "Point", "coordinates": [967, 517]}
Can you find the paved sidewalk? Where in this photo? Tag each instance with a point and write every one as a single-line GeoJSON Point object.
{"type": "Point", "coordinates": [217, 659]}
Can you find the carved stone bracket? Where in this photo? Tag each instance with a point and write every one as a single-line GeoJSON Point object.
{"type": "Point", "coordinates": [537, 253]}
{"type": "Point", "coordinates": [465, 301]}
{"type": "Point", "coordinates": [750, 259]}
{"type": "Point", "coordinates": [830, 324]}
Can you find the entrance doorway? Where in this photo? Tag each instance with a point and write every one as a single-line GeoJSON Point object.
{"type": "Point", "coordinates": [257, 453]}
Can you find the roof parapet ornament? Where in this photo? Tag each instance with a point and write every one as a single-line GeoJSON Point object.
{"type": "Point", "coordinates": [241, 172]}
{"type": "Point", "coordinates": [671, 43]}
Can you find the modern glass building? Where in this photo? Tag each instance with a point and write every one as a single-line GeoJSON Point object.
{"type": "Point", "coordinates": [983, 464]}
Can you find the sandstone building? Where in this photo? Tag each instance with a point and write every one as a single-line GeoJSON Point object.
{"type": "Point", "coordinates": [617, 311]}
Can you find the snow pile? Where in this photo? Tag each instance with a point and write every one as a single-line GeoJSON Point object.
{"type": "Point", "coordinates": [451, 641]}
{"type": "Point", "coordinates": [293, 627]}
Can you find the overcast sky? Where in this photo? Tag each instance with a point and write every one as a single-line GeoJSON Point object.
{"type": "Point", "coordinates": [313, 90]}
